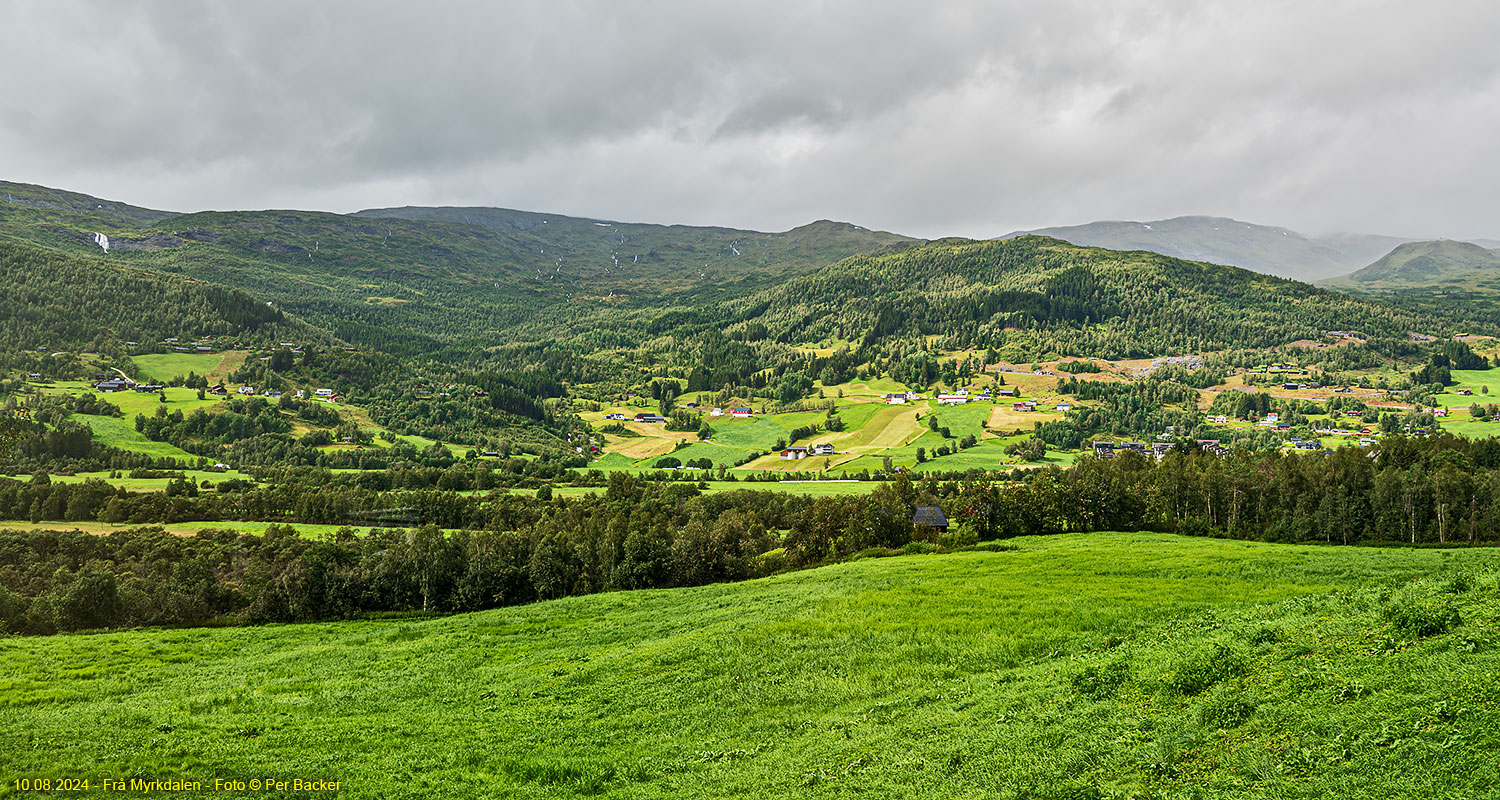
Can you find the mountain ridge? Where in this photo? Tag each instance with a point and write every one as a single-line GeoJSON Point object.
{"type": "Point", "coordinates": [1267, 249]}
{"type": "Point", "coordinates": [1425, 265]}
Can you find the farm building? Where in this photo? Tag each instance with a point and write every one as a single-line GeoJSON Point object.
{"type": "Point", "coordinates": [931, 517]}
{"type": "Point", "coordinates": [793, 453]}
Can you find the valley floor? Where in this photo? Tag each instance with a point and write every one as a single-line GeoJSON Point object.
{"type": "Point", "coordinates": [1101, 665]}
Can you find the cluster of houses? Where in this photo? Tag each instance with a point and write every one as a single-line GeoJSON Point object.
{"type": "Point", "coordinates": [1273, 421]}
{"type": "Point", "coordinates": [638, 417]}
{"type": "Point", "coordinates": [796, 452]}
{"type": "Point", "coordinates": [107, 384]}
{"type": "Point", "coordinates": [326, 395]}
{"type": "Point", "coordinates": [1031, 405]}
{"type": "Point", "coordinates": [205, 345]}
{"type": "Point", "coordinates": [1157, 449]}
{"type": "Point", "coordinates": [736, 413]}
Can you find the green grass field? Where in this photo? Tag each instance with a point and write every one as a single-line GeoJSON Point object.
{"type": "Point", "coordinates": [166, 366]}
{"type": "Point", "coordinates": [121, 433]}
{"type": "Point", "coordinates": [834, 488]}
{"type": "Point", "coordinates": [133, 403]}
{"type": "Point", "coordinates": [757, 433]}
{"type": "Point", "coordinates": [310, 530]}
{"type": "Point", "coordinates": [1102, 665]}
{"type": "Point", "coordinates": [152, 484]}
{"type": "Point", "coordinates": [1476, 381]}
{"type": "Point", "coordinates": [1462, 424]}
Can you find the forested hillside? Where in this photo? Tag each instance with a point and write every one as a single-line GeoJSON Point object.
{"type": "Point", "coordinates": [1053, 297]}
{"type": "Point", "coordinates": [440, 280]}
{"type": "Point", "coordinates": [519, 290]}
{"type": "Point", "coordinates": [60, 302]}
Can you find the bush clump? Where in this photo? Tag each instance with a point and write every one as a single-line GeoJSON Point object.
{"type": "Point", "coordinates": [1420, 619]}
{"type": "Point", "coordinates": [1199, 674]}
{"type": "Point", "coordinates": [1101, 681]}
{"type": "Point", "coordinates": [1225, 709]}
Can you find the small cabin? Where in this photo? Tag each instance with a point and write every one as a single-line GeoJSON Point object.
{"type": "Point", "coordinates": [930, 517]}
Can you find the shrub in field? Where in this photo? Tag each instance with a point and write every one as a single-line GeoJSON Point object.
{"type": "Point", "coordinates": [1196, 675]}
{"type": "Point", "coordinates": [1225, 708]}
{"type": "Point", "coordinates": [1420, 618]}
{"type": "Point", "coordinates": [1101, 681]}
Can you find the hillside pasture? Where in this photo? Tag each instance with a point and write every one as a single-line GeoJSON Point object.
{"type": "Point", "coordinates": [1095, 665]}
{"type": "Point", "coordinates": [121, 433]}
{"type": "Point", "coordinates": [128, 483]}
{"type": "Point", "coordinates": [163, 367]}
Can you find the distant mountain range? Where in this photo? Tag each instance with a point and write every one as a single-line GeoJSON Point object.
{"type": "Point", "coordinates": [1441, 264]}
{"type": "Point", "coordinates": [1219, 240]}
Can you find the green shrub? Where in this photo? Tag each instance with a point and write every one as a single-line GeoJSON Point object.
{"type": "Point", "coordinates": [993, 547]}
{"type": "Point", "coordinates": [1419, 619]}
{"type": "Point", "coordinates": [1224, 709]}
{"type": "Point", "coordinates": [1101, 682]}
{"type": "Point", "coordinates": [1265, 635]}
{"type": "Point", "coordinates": [1199, 674]}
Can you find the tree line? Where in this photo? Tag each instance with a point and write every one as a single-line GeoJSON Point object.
{"type": "Point", "coordinates": [641, 533]}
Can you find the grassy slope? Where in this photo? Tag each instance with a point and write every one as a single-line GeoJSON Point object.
{"type": "Point", "coordinates": [116, 432]}
{"type": "Point", "coordinates": [1416, 265]}
{"type": "Point", "coordinates": [947, 676]}
{"type": "Point", "coordinates": [166, 366]}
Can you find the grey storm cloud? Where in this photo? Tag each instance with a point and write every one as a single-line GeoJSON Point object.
{"type": "Point", "coordinates": [966, 118]}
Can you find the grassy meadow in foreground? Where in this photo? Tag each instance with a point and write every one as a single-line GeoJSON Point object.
{"type": "Point", "coordinates": [1105, 665]}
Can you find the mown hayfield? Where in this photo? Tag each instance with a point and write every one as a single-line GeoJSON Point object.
{"type": "Point", "coordinates": [963, 420]}
{"type": "Point", "coordinates": [890, 427]}
{"type": "Point", "coordinates": [166, 366]}
{"type": "Point", "coordinates": [1104, 665]}
{"type": "Point", "coordinates": [717, 453]}
{"type": "Point", "coordinates": [756, 433]}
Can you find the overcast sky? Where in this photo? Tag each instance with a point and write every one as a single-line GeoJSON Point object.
{"type": "Point", "coordinates": [929, 119]}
